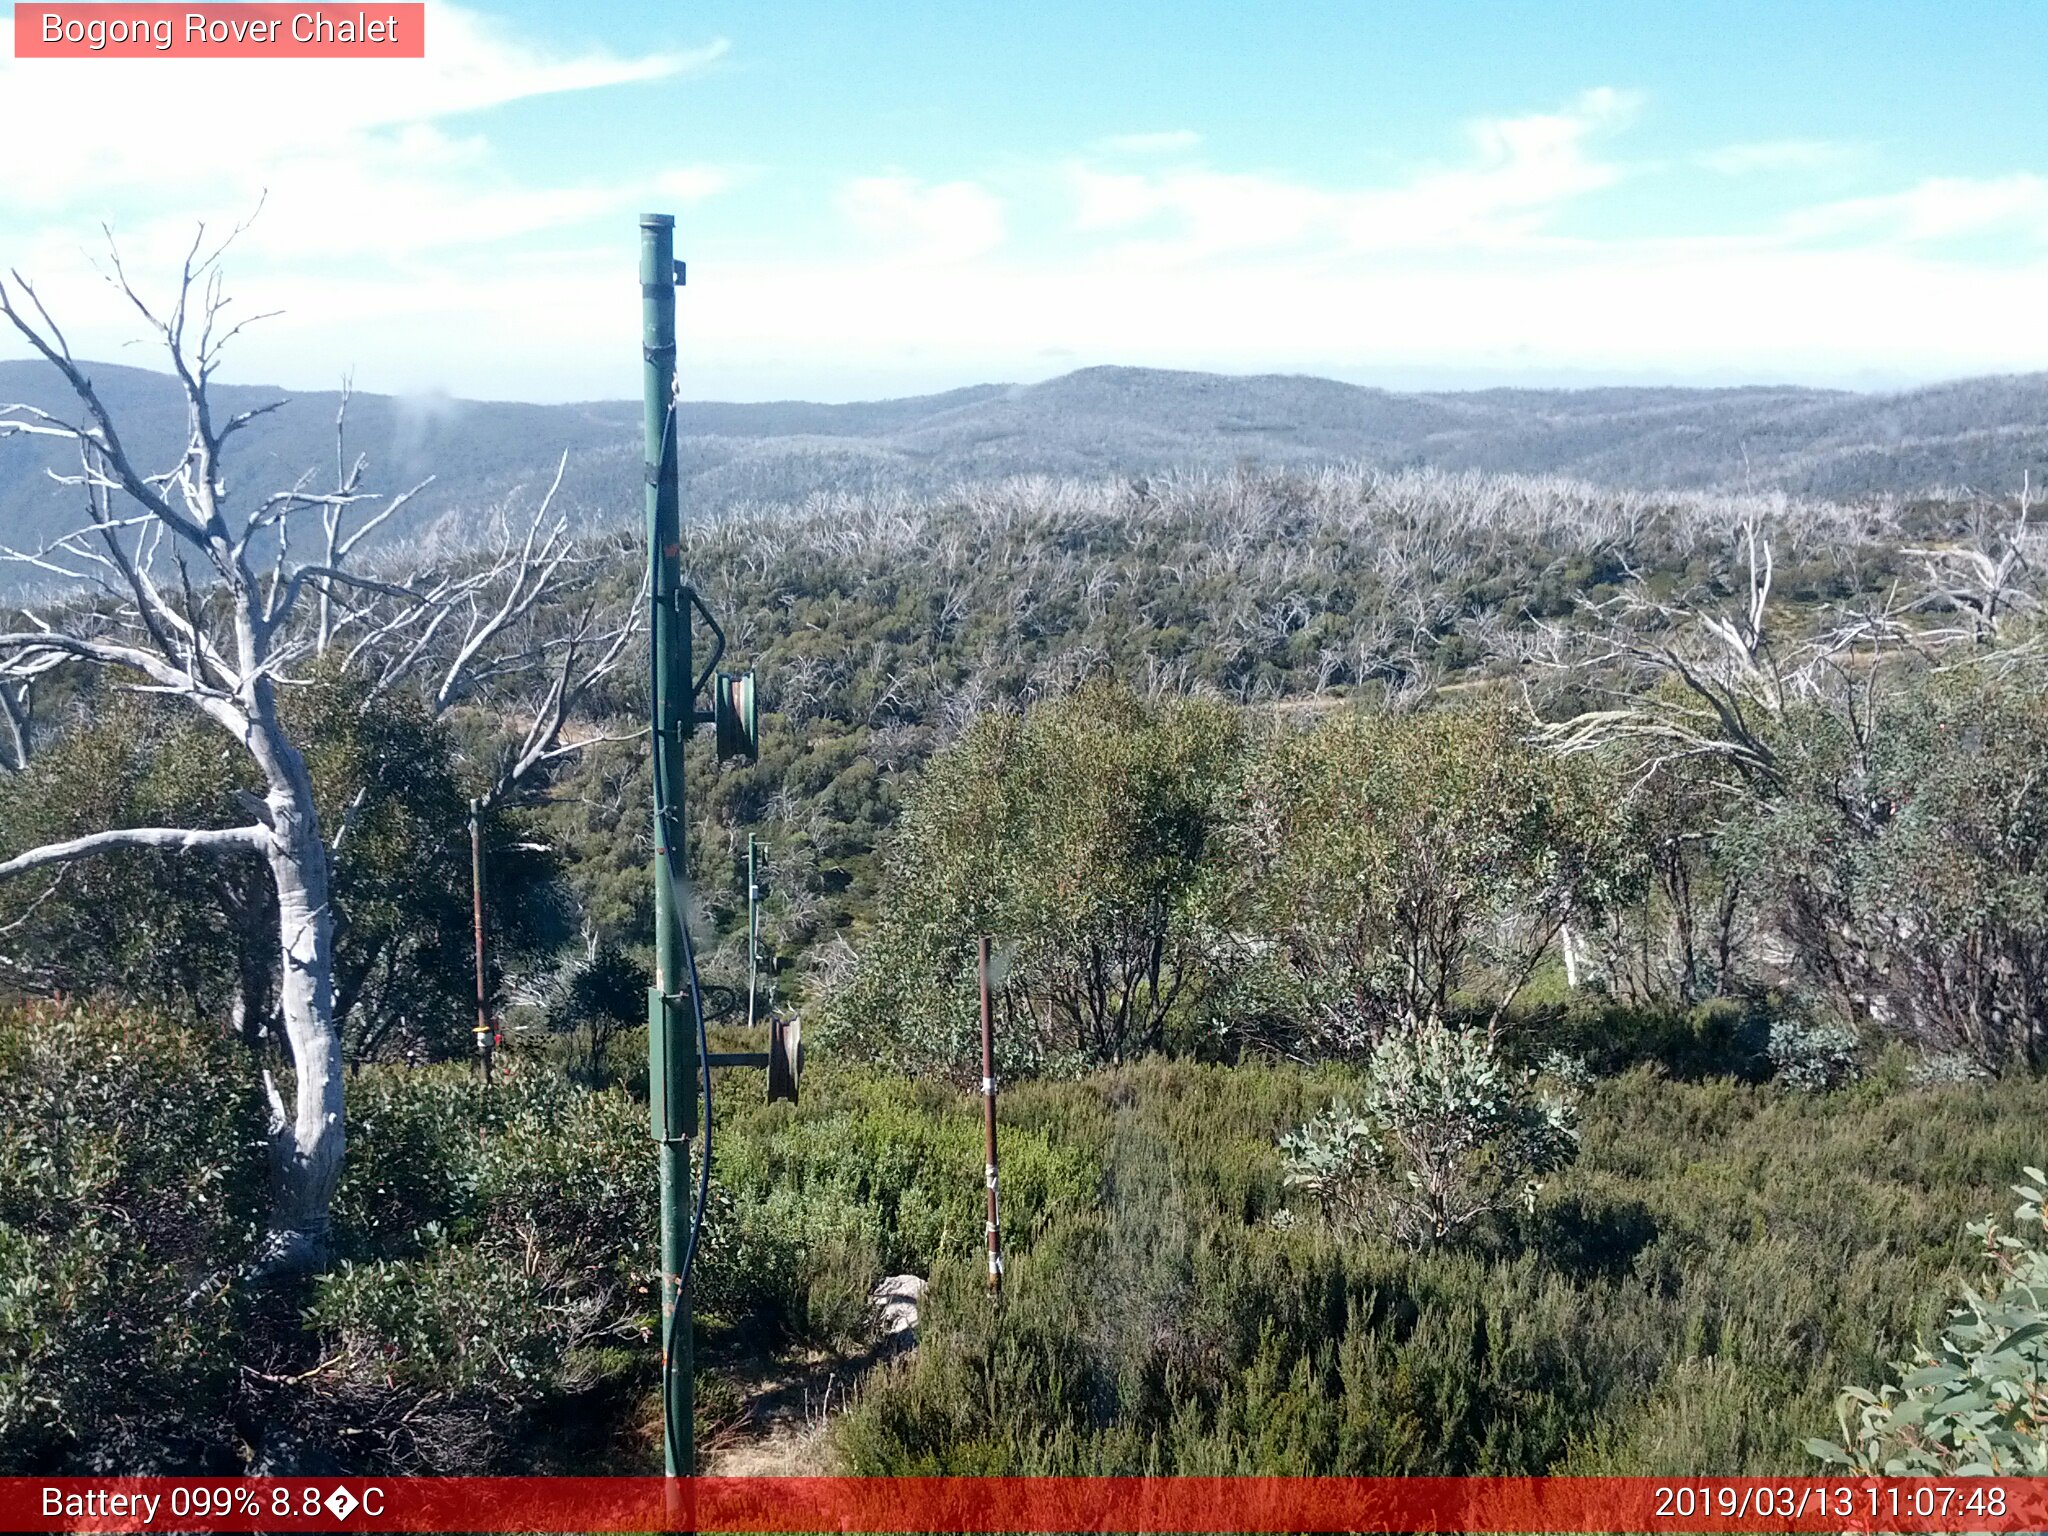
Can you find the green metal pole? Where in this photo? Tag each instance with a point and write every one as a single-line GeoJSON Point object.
{"type": "Point", "coordinates": [671, 1048]}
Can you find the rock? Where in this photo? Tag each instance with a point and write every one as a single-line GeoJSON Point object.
{"type": "Point", "coordinates": [894, 1302]}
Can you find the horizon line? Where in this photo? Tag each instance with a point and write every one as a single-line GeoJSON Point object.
{"type": "Point", "coordinates": [1505, 384]}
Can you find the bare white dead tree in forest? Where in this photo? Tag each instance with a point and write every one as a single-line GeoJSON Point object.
{"type": "Point", "coordinates": [1733, 678]}
{"type": "Point", "coordinates": [1732, 675]}
{"type": "Point", "coordinates": [201, 597]}
{"type": "Point", "coordinates": [1750, 704]}
{"type": "Point", "coordinates": [1986, 583]}
{"type": "Point", "coordinates": [17, 712]}
{"type": "Point", "coordinates": [498, 637]}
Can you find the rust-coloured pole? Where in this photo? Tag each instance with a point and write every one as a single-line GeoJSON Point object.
{"type": "Point", "coordinates": [476, 886]}
{"type": "Point", "coordinates": [988, 1102]}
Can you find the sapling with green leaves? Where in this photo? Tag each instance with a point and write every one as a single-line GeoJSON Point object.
{"type": "Point", "coordinates": [1447, 1131]}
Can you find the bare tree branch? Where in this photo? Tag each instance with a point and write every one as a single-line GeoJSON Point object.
{"type": "Point", "coordinates": [162, 839]}
{"type": "Point", "coordinates": [525, 578]}
{"type": "Point", "coordinates": [571, 681]}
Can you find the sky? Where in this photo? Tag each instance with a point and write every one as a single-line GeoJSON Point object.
{"type": "Point", "coordinates": [898, 197]}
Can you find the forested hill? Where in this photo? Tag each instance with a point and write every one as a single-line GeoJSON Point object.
{"type": "Point", "coordinates": [1982, 433]}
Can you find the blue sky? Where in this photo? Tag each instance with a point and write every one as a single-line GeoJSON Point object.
{"type": "Point", "coordinates": [886, 198]}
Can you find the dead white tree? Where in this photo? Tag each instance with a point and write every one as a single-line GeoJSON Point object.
{"type": "Point", "coordinates": [494, 638]}
{"type": "Point", "coordinates": [1986, 582]}
{"type": "Point", "coordinates": [1733, 680]}
{"type": "Point", "coordinates": [1747, 702]}
{"type": "Point", "coordinates": [17, 714]}
{"type": "Point", "coordinates": [1733, 676]}
{"type": "Point", "coordinates": [199, 597]}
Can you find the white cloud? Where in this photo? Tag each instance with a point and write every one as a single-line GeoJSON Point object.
{"type": "Point", "coordinates": [694, 183]}
{"type": "Point", "coordinates": [1455, 270]}
{"type": "Point", "coordinates": [1938, 209]}
{"type": "Point", "coordinates": [172, 133]}
{"type": "Point", "coordinates": [1209, 211]}
{"type": "Point", "coordinates": [1775, 155]}
{"type": "Point", "coordinates": [924, 224]}
{"type": "Point", "coordinates": [837, 328]}
{"type": "Point", "coordinates": [1522, 171]}
{"type": "Point", "coordinates": [353, 158]}
{"type": "Point", "coordinates": [1811, 315]}
{"type": "Point", "coordinates": [1464, 267]}
{"type": "Point", "coordinates": [373, 180]}
{"type": "Point", "coordinates": [1527, 169]}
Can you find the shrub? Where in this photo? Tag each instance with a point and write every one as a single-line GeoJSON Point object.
{"type": "Point", "coordinates": [802, 1261]}
{"type": "Point", "coordinates": [1567, 1069]}
{"type": "Point", "coordinates": [413, 1142]}
{"type": "Point", "coordinates": [1684, 1301]}
{"type": "Point", "coordinates": [1905, 859]}
{"type": "Point", "coordinates": [457, 1319]}
{"type": "Point", "coordinates": [1447, 1132]}
{"type": "Point", "coordinates": [869, 1175]}
{"type": "Point", "coordinates": [131, 1176]}
{"type": "Point", "coordinates": [497, 1250]}
{"type": "Point", "coordinates": [1813, 1056]}
{"type": "Point", "coordinates": [1936, 1069]}
{"type": "Point", "coordinates": [1722, 1037]}
{"type": "Point", "coordinates": [1408, 868]}
{"type": "Point", "coordinates": [598, 997]}
{"type": "Point", "coordinates": [1976, 1404]}
{"type": "Point", "coordinates": [1085, 833]}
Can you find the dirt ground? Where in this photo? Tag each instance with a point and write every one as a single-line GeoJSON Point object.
{"type": "Point", "coordinates": [784, 1428]}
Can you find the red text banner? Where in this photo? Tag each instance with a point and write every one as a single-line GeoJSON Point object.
{"type": "Point", "coordinates": [943, 1504]}
{"type": "Point", "coordinates": [220, 31]}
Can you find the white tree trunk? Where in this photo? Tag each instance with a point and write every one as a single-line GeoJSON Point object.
{"type": "Point", "coordinates": [306, 1138]}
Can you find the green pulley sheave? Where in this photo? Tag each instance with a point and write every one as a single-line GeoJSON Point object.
{"type": "Point", "coordinates": [785, 1058]}
{"type": "Point", "coordinates": [735, 716]}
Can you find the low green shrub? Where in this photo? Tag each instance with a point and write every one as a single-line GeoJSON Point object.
{"type": "Point", "coordinates": [1814, 1055]}
{"type": "Point", "coordinates": [131, 1183]}
{"type": "Point", "coordinates": [496, 1249]}
{"type": "Point", "coordinates": [1722, 1037]}
{"type": "Point", "coordinates": [869, 1175]}
{"type": "Point", "coordinates": [456, 1319]}
{"type": "Point", "coordinates": [801, 1262]}
{"type": "Point", "coordinates": [1683, 1300]}
{"type": "Point", "coordinates": [1976, 1403]}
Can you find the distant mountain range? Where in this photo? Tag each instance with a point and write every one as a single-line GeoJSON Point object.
{"type": "Point", "coordinates": [1981, 433]}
